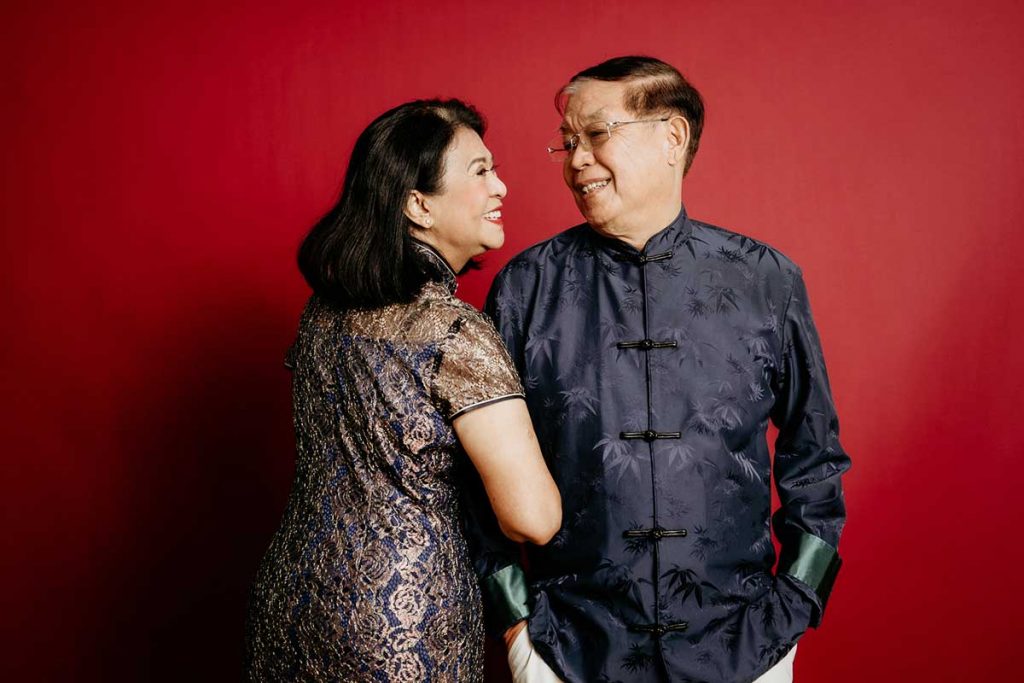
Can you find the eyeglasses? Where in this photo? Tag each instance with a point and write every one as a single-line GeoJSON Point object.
{"type": "Point", "coordinates": [590, 138]}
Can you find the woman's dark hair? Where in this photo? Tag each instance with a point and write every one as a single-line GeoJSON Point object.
{"type": "Point", "coordinates": [360, 254]}
{"type": "Point", "coordinates": [654, 87]}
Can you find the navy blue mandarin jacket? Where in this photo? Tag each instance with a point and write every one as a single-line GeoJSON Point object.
{"type": "Point", "coordinates": [650, 377]}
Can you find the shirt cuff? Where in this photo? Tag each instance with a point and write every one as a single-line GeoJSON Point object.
{"type": "Point", "coordinates": [505, 598]}
{"type": "Point", "coordinates": [814, 563]}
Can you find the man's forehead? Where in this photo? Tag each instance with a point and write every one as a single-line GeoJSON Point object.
{"type": "Point", "coordinates": [583, 117]}
{"type": "Point", "coordinates": [592, 101]}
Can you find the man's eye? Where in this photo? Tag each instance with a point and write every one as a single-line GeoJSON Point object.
{"type": "Point", "coordinates": [597, 133]}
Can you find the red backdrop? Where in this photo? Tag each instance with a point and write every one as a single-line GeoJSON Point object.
{"type": "Point", "coordinates": [162, 160]}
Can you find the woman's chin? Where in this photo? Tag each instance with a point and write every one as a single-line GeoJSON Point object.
{"type": "Point", "coordinates": [496, 242]}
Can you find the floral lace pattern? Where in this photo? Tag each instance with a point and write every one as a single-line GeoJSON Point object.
{"type": "Point", "coordinates": [368, 577]}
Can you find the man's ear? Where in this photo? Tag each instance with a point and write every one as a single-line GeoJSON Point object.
{"type": "Point", "coordinates": [678, 140]}
{"type": "Point", "coordinates": [417, 210]}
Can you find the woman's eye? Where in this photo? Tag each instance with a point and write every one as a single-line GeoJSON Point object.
{"type": "Point", "coordinates": [485, 171]}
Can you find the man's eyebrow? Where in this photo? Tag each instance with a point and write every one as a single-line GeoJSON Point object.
{"type": "Point", "coordinates": [599, 115]}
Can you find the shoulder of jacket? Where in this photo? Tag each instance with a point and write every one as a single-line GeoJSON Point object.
{"type": "Point", "coordinates": [550, 252]}
{"type": "Point", "coordinates": [723, 240]}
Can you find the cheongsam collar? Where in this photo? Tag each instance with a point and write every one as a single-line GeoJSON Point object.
{"type": "Point", "coordinates": [661, 245]}
{"type": "Point", "coordinates": [437, 266]}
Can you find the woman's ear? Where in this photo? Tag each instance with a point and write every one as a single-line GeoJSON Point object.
{"type": "Point", "coordinates": [417, 210]}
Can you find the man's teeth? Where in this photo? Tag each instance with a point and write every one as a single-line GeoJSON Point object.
{"type": "Point", "coordinates": [492, 216]}
{"type": "Point", "coordinates": [590, 187]}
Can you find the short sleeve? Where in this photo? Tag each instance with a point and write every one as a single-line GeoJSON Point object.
{"type": "Point", "coordinates": [475, 369]}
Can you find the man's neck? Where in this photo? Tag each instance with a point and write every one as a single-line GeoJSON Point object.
{"type": "Point", "coordinates": [637, 230]}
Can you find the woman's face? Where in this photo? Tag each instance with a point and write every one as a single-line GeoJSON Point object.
{"type": "Point", "coordinates": [466, 213]}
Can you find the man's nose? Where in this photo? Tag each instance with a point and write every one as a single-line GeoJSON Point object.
{"type": "Point", "coordinates": [580, 157]}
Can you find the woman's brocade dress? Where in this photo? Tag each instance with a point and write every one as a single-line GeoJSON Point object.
{"type": "Point", "coordinates": [368, 577]}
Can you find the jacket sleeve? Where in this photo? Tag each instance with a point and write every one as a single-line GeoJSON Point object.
{"type": "Point", "coordinates": [809, 461]}
{"type": "Point", "coordinates": [496, 559]}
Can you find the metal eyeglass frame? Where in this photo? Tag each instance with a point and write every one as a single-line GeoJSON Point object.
{"type": "Point", "coordinates": [559, 154]}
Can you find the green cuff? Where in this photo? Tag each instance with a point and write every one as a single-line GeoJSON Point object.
{"type": "Point", "coordinates": [809, 559]}
{"type": "Point", "coordinates": [505, 597]}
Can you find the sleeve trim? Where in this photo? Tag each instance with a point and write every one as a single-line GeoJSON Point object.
{"type": "Point", "coordinates": [481, 404]}
{"type": "Point", "coordinates": [505, 596]}
{"type": "Point", "coordinates": [811, 560]}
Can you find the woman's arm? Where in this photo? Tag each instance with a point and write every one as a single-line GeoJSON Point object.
{"type": "Point", "coordinates": [501, 444]}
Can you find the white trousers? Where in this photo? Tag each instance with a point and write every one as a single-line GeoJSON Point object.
{"type": "Point", "coordinates": [528, 667]}
{"type": "Point", "coordinates": [781, 672]}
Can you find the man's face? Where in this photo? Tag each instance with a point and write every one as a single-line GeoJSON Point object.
{"type": "Point", "coordinates": [628, 178]}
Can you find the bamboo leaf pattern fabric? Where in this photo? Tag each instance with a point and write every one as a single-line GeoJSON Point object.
{"type": "Point", "coordinates": [651, 377]}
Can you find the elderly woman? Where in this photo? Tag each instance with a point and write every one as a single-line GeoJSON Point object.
{"type": "Point", "coordinates": [395, 383]}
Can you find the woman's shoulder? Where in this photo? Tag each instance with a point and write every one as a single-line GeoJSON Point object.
{"type": "Point", "coordinates": [433, 316]}
{"type": "Point", "coordinates": [319, 314]}
{"type": "Point", "coordinates": [443, 314]}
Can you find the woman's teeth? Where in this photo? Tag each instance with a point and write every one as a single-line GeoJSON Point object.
{"type": "Point", "coordinates": [492, 216]}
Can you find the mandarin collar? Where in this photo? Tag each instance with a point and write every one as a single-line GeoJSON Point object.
{"type": "Point", "coordinates": [437, 266]}
{"type": "Point", "coordinates": [665, 241]}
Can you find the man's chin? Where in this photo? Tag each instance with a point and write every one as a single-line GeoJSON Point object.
{"type": "Point", "coordinates": [585, 211]}
{"type": "Point", "coordinates": [595, 219]}
{"type": "Point", "coordinates": [595, 216]}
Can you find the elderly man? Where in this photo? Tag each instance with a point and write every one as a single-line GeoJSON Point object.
{"type": "Point", "coordinates": [654, 349]}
